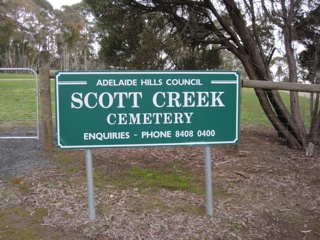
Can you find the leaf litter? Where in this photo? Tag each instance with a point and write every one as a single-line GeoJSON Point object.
{"type": "Point", "coordinates": [261, 190]}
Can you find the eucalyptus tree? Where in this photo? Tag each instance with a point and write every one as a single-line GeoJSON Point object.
{"type": "Point", "coordinates": [69, 23]}
{"type": "Point", "coordinates": [43, 32]}
{"type": "Point", "coordinates": [246, 28]}
{"type": "Point", "coordinates": [6, 30]}
{"type": "Point", "coordinates": [9, 27]}
{"type": "Point", "coordinates": [25, 31]}
{"type": "Point", "coordinates": [75, 37]}
{"type": "Point", "coordinates": [87, 44]}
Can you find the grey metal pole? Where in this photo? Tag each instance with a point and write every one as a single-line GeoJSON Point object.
{"type": "Point", "coordinates": [209, 204]}
{"type": "Point", "coordinates": [90, 189]}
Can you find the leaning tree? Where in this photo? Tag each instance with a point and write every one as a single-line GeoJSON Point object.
{"type": "Point", "coordinates": [247, 29]}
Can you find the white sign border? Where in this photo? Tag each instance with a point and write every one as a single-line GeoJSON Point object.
{"type": "Point", "coordinates": [57, 84]}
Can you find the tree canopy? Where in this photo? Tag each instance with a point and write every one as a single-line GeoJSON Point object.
{"type": "Point", "coordinates": [33, 34]}
{"type": "Point", "coordinates": [130, 39]}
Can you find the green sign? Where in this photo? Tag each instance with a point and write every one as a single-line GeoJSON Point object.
{"type": "Point", "coordinates": [102, 109]}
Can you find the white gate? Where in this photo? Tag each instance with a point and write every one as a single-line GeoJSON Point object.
{"type": "Point", "coordinates": [19, 103]}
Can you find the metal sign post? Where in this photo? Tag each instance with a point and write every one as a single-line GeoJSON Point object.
{"type": "Point", "coordinates": [209, 202]}
{"type": "Point", "coordinates": [90, 187]}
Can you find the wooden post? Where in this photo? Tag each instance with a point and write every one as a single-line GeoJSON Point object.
{"type": "Point", "coordinates": [46, 109]}
{"type": "Point", "coordinates": [281, 86]}
{"type": "Point", "coordinates": [235, 148]}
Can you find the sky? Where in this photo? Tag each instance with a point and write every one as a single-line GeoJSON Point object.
{"type": "Point", "coordinates": [58, 3]}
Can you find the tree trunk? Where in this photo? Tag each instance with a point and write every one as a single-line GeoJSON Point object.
{"type": "Point", "coordinates": [289, 125]}
{"type": "Point", "coordinates": [257, 69]}
{"type": "Point", "coordinates": [314, 108]}
{"type": "Point", "coordinates": [287, 16]}
{"type": "Point", "coordinates": [279, 117]}
{"type": "Point", "coordinates": [85, 59]}
{"type": "Point", "coordinates": [9, 62]}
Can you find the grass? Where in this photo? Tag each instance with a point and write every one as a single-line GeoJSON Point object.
{"type": "Point", "coordinates": [304, 107]}
{"type": "Point", "coordinates": [253, 114]}
{"type": "Point", "coordinates": [18, 99]}
{"type": "Point", "coordinates": [159, 178]}
{"type": "Point", "coordinates": [148, 177]}
{"type": "Point", "coordinates": [169, 177]}
{"type": "Point", "coordinates": [6, 76]}
{"type": "Point", "coordinates": [12, 228]}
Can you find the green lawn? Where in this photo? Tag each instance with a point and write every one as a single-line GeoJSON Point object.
{"type": "Point", "coordinates": [253, 114]}
{"type": "Point", "coordinates": [7, 76]}
{"type": "Point", "coordinates": [17, 99]}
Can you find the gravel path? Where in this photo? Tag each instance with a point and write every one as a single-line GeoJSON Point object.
{"type": "Point", "coordinates": [20, 155]}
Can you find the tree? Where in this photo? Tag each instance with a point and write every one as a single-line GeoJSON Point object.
{"type": "Point", "coordinates": [308, 34]}
{"type": "Point", "coordinates": [70, 24]}
{"type": "Point", "coordinates": [86, 50]}
{"type": "Point", "coordinates": [28, 23]}
{"type": "Point", "coordinates": [130, 39]}
{"type": "Point", "coordinates": [74, 37]}
{"type": "Point", "coordinates": [6, 29]}
{"type": "Point", "coordinates": [33, 34]}
{"type": "Point", "coordinates": [243, 28]}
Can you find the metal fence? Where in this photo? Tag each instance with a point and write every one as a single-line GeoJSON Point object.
{"type": "Point", "coordinates": [19, 104]}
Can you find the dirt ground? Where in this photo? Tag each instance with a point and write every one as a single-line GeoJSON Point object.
{"type": "Point", "coordinates": [261, 190]}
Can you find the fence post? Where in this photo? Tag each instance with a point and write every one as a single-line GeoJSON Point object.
{"type": "Point", "coordinates": [46, 109]}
